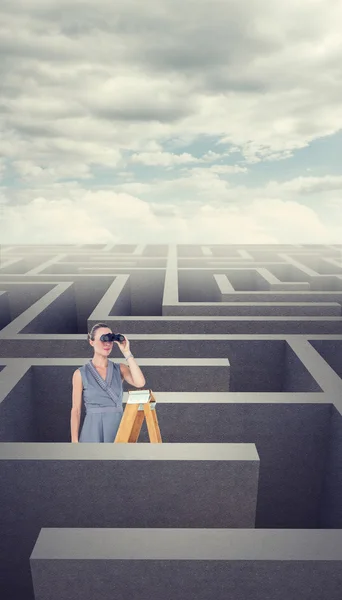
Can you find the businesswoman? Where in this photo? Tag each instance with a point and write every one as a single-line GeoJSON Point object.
{"type": "Point", "coordinates": [99, 384]}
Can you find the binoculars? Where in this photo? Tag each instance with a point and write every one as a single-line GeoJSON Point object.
{"type": "Point", "coordinates": [112, 337]}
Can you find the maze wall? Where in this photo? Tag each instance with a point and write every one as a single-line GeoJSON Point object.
{"type": "Point", "coordinates": [242, 347]}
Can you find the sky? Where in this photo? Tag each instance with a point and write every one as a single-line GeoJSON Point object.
{"type": "Point", "coordinates": [170, 121]}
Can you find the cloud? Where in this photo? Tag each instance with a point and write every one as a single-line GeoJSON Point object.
{"type": "Point", "coordinates": [211, 68]}
{"type": "Point", "coordinates": [169, 159]}
{"type": "Point", "coordinates": [104, 93]}
{"type": "Point", "coordinates": [164, 159]}
{"type": "Point", "coordinates": [111, 216]}
{"type": "Point", "coordinates": [88, 217]}
{"type": "Point", "coordinates": [159, 99]}
{"type": "Point", "coordinates": [309, 185]}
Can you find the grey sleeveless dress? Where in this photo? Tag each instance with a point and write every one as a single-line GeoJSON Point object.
{"type": "Point", "coordinates": [103, 403]}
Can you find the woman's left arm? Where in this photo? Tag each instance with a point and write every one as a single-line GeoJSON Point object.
{"type": "Point", "coordinates": [131, 373]}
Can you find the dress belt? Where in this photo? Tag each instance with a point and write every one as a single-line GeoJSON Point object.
{"type": "Point", "coordinates": [103, 409]}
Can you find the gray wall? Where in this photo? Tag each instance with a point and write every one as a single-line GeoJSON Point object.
{"type": "Point", "coordinates": [331, 506]}
{"type": "Point", "coordinates": [201, 564]}
{"type": "Point", "coordinates": [292, 439]}
{"type": "Point", "coordinates": [257, 365]}
{"type": "Point", "coordinates": [259, 381]}
{"type": "Point", "coordinates": [116, 485]}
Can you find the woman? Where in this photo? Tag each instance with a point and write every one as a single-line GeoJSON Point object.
{"type": "Point", "coordinates": [99, 383]}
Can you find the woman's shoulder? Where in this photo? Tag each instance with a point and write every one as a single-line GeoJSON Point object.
{"type": "Point", "coordinates": [116, 365]}
{"type": "Point", "coordinates": [117, 368]}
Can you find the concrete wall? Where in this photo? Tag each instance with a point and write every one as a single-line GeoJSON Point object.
{"type": "Point", "coordinates": [143, 564]}
{"type": "Point", "coordinates": [242, 347]}
{"type": "Point", "coordinates": [117, 485]}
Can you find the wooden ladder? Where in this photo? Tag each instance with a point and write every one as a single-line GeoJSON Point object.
{"type": "Point", "coordinates": [141, 404]}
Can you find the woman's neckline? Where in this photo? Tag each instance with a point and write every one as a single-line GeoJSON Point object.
{"type": "Point", "coordinates": [97, 366]}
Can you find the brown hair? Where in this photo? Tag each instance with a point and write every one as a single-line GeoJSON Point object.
{"type": "Point", "coordinates": [91, 335]}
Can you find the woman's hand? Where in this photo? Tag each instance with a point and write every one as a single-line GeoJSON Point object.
{"type": "Point", "coordinates": [124, 346]}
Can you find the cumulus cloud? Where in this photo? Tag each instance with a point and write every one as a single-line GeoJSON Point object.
{"type": "Point", "coordinates": [309, 185]}
{"type": "Point", "coordinates": [168, 109]}
{"type": "Point", "coordinates": [88, 217]}
{"type": "Point", "coordinates": [108, 216]}
{"type": "Point", "coordinates": [169, 159]}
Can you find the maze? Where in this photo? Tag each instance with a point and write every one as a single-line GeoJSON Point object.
{"type": "Point", "coordinates": [242, 347]}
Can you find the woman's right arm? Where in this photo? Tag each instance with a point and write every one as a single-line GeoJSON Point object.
{"type": "Point", "coordinates": [77, 388]}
